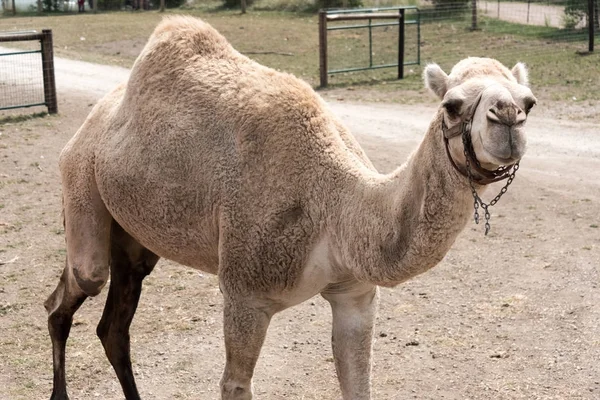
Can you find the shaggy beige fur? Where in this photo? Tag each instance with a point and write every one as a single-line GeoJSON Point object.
{"type": "Point", "coordinates": [212, 160]}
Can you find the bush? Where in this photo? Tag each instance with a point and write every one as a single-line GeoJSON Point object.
{"type": "Point", "coordinates": [576, 11]}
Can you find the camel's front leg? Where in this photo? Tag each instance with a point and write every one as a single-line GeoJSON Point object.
{"type": "Point", "coordinates": [245, 328]}
{"type": "Point", "coordinates": [353, 308]}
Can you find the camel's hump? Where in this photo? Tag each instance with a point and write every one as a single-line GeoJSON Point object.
{"type": "Point", "coordinates": [183, 37]}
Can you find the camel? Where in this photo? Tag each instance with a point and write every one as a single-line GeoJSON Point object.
{"type": "Point", "coordinates": [209, 159]}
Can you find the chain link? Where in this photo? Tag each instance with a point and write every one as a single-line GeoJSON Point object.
{"type": "Point", "coordinates": [477, 202]}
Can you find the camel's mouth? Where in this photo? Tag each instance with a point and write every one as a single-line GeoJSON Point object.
{"type": "Point", "coordinates": [507, 154]}
{"type": "Point", "coordinates": [500, 144]}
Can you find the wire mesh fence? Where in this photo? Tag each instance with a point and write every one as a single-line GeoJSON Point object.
{"type": "Point", "coordinates": [21, 81]}
{"type": "Point", "coordinates": [509, 31]}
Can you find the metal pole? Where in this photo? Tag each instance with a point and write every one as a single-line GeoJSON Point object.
{"type": "Point", "coordinates": [401, 45]}
{"type": "Point", "coordinates": [48, 72]}
{"type": "Point", "coordinates": [419, 37]}
{"type": "Point", "coordinates": [323, 47]}
{"type": "Point", "coordinates": [370, 44]}
{"type": "Point", "coordinates": [474, 15]}
{"type": "Point", "coordinates": [591, 25]}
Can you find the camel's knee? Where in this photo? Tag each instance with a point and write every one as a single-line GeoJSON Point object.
{"type": "Point", "coordinates": [90, 277]}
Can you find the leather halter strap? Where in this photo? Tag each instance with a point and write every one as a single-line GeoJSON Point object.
{"type": "Point", "coordinates": [483, 176]}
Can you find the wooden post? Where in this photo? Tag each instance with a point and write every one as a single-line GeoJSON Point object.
{"type": "Point", "coordinates": [401, 45]}
{"type": "Point", "coordinates": [474, 15]}
{"type": "Point", "coordinates": [14, 7]}
{"type": "Point", "coordinates": [40, 7]}
{"type": "Point", "coordinates": [162, 6]}
{"type": "Point", "coordinates": [243, 4]}
{"type": "Point", "coordinates": [95, 5]}
{"type": "Point", "coordinates": [48, 72]}
{"type": "Point", "coordinates": [591, 25]}
{"type": "Point", "coordinates": [323, 47]}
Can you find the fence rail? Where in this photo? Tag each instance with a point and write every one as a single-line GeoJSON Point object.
{"type": "Point", "coordinates": [17, 77]}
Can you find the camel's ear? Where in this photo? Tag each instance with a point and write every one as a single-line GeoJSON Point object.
{"type": "Point", "coordinates": [519, 71]}
{"type": "Point", "coordinates": [453, 103]}
{"type": "Point", "coordinates": [436, 80]}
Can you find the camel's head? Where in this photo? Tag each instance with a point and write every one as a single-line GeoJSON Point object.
{"type": "Point", "coordinates": [495, 98]}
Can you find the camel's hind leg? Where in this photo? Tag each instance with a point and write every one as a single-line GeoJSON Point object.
{"type": "Point", "coordinates": [61, 305]}
{"type": "Point", "coordinates": [130, 263]}
{"type": "Point", "coordinates": [87, 229]}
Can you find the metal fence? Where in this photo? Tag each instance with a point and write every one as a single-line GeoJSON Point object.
{"type": "Point", "coordinates": [27, 76]}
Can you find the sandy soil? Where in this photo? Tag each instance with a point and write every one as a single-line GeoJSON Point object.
{"type": "Point", "coordinates": [510, 316]}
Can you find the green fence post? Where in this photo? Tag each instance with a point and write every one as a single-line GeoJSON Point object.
{"type": "Point", "coordinates": [323, 47]}
{"type": "Point", "coordinates": [370, 44]}
{"type": "Point", "coordinates": [591, 25]}
{"type": "Point", "coordinates": [401, 45]}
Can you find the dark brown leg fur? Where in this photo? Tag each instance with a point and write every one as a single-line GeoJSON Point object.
{"type": "Point", "coordinates": [130, 264]}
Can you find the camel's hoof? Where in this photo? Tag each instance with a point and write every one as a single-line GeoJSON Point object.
{"type": "Point", "coordinates": [59, 396]}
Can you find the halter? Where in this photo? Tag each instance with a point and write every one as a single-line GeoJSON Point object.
{"type": "Point", "coordinates": [484, 176]}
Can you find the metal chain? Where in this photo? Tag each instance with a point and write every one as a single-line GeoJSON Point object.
{"type": "Point", "coordinates": [477, 202]}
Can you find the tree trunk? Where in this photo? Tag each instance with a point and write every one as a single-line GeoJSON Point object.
{"type": "Point", "coordinates": [162, 6]}
{"type": "Point", "coordinates": [243, 6]}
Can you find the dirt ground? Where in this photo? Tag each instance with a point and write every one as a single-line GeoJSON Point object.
{"type": "Point", "coordinates": [513, 315]}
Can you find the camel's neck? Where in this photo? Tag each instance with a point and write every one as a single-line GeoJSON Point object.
{"type": "Point", "coordinates": [398, 227]}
